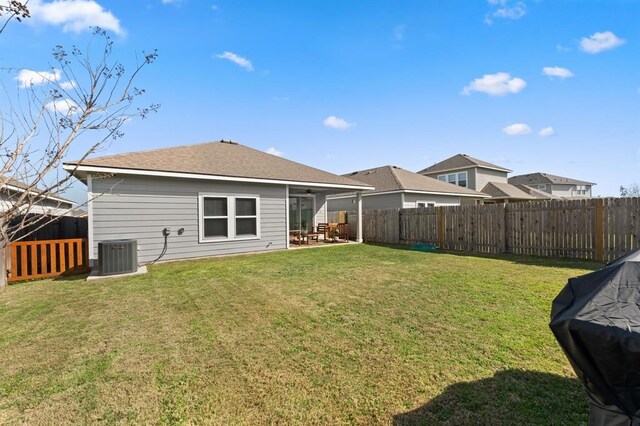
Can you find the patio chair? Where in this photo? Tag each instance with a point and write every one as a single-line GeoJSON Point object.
{"type": "Point", "coordinates": [322, 229]}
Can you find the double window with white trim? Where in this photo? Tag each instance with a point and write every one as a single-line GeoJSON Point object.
{"type": "Point", "coordinates": [228, 217]}
{"type": "Point", "coordinates": [459, 179]}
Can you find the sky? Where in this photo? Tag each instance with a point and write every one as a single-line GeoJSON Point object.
{"type": "Point", "coordinates": [534, 86]}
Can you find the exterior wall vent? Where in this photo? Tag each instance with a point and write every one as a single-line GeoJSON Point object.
{"type": "Point", "coordinates": [117, 257]}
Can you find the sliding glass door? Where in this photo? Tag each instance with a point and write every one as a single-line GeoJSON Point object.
{"type": "Point", "coordinates": [301, 213]}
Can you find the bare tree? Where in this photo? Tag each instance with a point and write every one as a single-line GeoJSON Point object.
{"type": "Point", "coordinates": [77, 108]}
{"type": "Point", "coordinates": [632, 190]}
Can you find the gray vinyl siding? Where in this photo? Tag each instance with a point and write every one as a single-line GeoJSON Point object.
{"type": "Point", "coordinates": [371, 202]}
{"type": "Point", "coordinates": [411, 200]}
{"type": "Point", "coordinates": [568, 191]}
{"type": "Point", "coordinates": [484, 176]}
{"type": "Point", "coordinates": [140, 207]}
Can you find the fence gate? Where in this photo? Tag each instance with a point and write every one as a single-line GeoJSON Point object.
{"type": "Point", "coordinates": [27, 260]}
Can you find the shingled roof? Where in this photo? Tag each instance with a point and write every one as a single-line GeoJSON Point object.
{"type": "Point", "coordinates": [542, 178]}
{"type": "Point", "coordinates": [223, 158]}
{"type": "Point", "coordinates": [505, 191]}
{"type": "Point", "coordinates": [461, 161]}
{"type": "Point", "coordinates": [392, 178]}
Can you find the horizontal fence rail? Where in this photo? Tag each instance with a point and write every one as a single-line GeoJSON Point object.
{"type": "Point", "coordinates": [600, 229]}
{"type": "Point", "coordinates": [28, 260]}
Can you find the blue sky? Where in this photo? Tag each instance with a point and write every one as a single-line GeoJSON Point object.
{"type": "Point", "coordinates": [349, 85]}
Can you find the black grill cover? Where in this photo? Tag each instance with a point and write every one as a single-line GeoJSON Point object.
{"type": "Point", "coordinates": [596, 320]}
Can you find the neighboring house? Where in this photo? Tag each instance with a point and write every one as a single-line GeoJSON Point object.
{"type": "Point", "coordinates": [558, 186]}
{"type": "Point", "coordinates": [211, 199]}
{"type": "Point", "coordinates": [12, 191]}
{"type": "Point", "coordinates": [398, 188]}
{"type": "Point", "coordinates": [467, 172]}
{"type": "Point", "coordinates": [485, 177]}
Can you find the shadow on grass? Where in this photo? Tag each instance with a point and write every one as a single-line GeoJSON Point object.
{"type": "Point", "coordinates": [553, 262]}
{"type": "Point", "coordinates": [509, 397]}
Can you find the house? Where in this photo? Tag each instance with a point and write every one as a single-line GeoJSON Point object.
{"type": "Point", "coordinates": [13, 191]}
{"type": "Point", "coordinates": [398, 188]}
{"type": "Point", "coordinates": [205, 199]}
{"type": "Point", "coordinates": [554, 185]}
{"type": "Point", "coordinates": [467, 172]}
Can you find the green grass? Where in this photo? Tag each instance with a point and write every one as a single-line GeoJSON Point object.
{"type": "Point", "coordinates": [352, 334]}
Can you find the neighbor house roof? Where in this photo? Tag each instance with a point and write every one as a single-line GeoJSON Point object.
{"type": "Point", "coordinates": [505, 191]}
{"type": "Point", "coordinates": [540, 178]}
{"type": "Point", "coordinates": [392, 178]}
{"type": "Point", "coordinates": [224, 160]}
{"type": "Point", "coordinates": [541, 195]}
{"type": "Point", "coordinates": [461, 161]}
{"type": "Point", "coordinates": [16, 185]}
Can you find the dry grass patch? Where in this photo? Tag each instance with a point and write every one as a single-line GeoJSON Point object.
{"type": "Point", "coordinates": [353, 334]}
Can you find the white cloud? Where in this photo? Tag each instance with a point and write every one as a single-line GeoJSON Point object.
{"type": "Point", "coordinates": [236, 59]}
{"type": "Point", "coordinates": [497, 84]}
{"type": "Point", "coordinates": [557, 72]}
{"type": "Point", "coordinates": [67, 85]}
{"type": "Point", "coordinates": [74, 15]}
{"type": "Point", "coordinates": [334, 122]}
{"type": "Point", "coordinates": [599, 42]}
{"type": "Point", "coordinates": [561, 48]}
{"type": "Point", "coordinates": [27, 78]}
{"type": "Point", "coordinates": [275, 152]}
{"type": "Point", "coordinates": [546, 132]}
{"type": "Point", "coordinates": [504, 11]}
{"type": "Point", "coordinates": [62, 106]}
{"type": "Point", "coordinates": [517, 129]}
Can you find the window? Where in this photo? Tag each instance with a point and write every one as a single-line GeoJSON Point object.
{"type": "Point", "coordinates": [228, 217]}
{"type": "Point", "coordinates": [580, 190]}
{"type": "Point", "coordinates": [462, 179]}
{"type": "Point", "coordinates": [246, 217]}
{"type": "Point", "coordinates": [459, 179]}
{"type": "Point", "coordinates": [425, 204]}
{"type": "Point", "coordinates": [542, 187]}
{"type": "Point", "coordinates": [215, 217]}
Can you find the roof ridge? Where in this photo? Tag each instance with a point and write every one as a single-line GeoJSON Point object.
{"type": "Point", "coordinates": [395, 176]}
{"type": "Point", "coordinates": [165, 148]}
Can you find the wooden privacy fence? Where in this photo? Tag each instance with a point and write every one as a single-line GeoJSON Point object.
{"type": "Point", "coordinates": [601, 229]}
{"type": "Point", "coordinates": [27, 260]}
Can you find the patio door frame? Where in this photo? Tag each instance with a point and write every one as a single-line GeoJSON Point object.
{"type": "Point", "coordinates": [313, 217]}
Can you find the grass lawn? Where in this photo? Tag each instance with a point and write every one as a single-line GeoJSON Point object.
{"type": "Point", "coordinates": [352, 334]}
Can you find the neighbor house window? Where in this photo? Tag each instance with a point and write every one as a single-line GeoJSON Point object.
{"type": "Point", "coordinates": [425, 204]}
{"type": "Point", "coordinates": [459, 179]}
{"type": "Point", "coordinates": [542, 187]}
{"type": "Point", "coordinates": [228, 217]}
{"type": "Point", "coordinates": [581, 190]}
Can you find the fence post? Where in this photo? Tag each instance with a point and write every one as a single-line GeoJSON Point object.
{"type": "Point", "coordinates": [599, 233]}
{"type": "Point", "coordinates": [505, 220]}
{"type": "Point", "coordinates": [441, 227]}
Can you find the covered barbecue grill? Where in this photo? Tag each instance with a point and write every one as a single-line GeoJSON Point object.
{"type": "Point", "coordinates": [596, 320]}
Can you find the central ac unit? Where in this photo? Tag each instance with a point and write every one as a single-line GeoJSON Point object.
{"type": "Point", "coordinates": [117, 257]}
